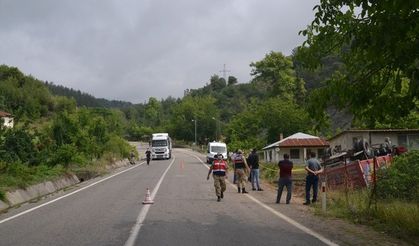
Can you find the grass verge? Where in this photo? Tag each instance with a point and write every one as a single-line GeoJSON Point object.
{"type": "Point", "coordinates": [397, 218]}
{"type": "Point", "coordinates": [19, 175]}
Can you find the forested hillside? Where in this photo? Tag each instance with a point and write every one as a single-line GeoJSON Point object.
{"type": "Point", "coordinates": [85, 99]}
{"type": "Point", "coordinates": [24, 96]}
{"type": "Point", "coordinates": [51, 135]}
{"type": "Point", "coordinates": [245, 115]}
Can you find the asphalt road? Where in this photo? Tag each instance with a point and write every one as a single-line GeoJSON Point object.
{"type": "Point", "coordinates": [109, 211]}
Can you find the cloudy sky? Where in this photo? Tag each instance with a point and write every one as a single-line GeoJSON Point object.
{"type": "Point", "coordinates": [133, 49]}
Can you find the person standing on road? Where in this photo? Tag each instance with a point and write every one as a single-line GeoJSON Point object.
{"type": "Point", "coordinates": [313, 169]}
{"type": "Point", "coordinates": [148, 156]}
{"type": "Point", "coordinates": [132, 158]}
{"type": "Point", "coordinates": [253, 161]}
{"type": "Point", "coordinates": [219, 169]}
{"type": "Point", "coordinates": [241, 168]}
{"type": "Point", "coordinates": [285, 178]}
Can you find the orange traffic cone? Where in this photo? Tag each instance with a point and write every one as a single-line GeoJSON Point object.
{"type": "Point", "coordinates": [147, 199]}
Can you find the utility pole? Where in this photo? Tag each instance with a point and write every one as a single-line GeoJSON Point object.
{"type": "Point", "coordinates": [225, 71]}
{"type": "Point", "coordinates": [195, 131]}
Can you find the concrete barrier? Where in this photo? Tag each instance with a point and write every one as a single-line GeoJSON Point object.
{"type": "Point", "coordinates": [3, 206]}
{"type": "Point", "coordinates": [37, 191]}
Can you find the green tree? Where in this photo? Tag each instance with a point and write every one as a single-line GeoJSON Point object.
{"type": "Point", "coordinates": [17, 146]}
{"type": "Point", "coordinates": [262, 123]}
{"type": "Point", "coordinates": [217, 83]}
{"type": "Point", "coordinates": [64, 129]}
{"type": "Point", "coordinates": [277, 72]}
{"type": "Point", "coordinates": [62, 103]}
{"type": "Point", "coordinates": [377, 43]}
{"type": "Point", "coordinates": [231, 80]}
{"type": "Point", "coordinates": [136, 132]}
{"type": "Point", "coordinates": [203, 110]}
{"type": "Point", "coordinates": [152, 112]}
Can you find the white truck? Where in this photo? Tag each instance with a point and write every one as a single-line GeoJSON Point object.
{"type": "Point", "coordinates": [214, 148]}
{"type": "Point", "coordinates": [161, 146]}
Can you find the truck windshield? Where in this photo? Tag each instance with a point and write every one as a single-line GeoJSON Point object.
{"type": "Point", "coordinates": [218, 149]}
{"type": "Point", "coordinates": [158, 143]}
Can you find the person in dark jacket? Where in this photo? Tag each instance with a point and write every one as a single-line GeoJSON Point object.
{"type": "Point", "coordinates": [285, 178]}
{"type": "Point", "coordinates": [148, 156]}
{"type": "Point", "coordinates": [253, 161]}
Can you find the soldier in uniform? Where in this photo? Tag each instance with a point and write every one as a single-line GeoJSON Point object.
{"type": "Point", "coordinates": [242, 170]}
{"type": "Point", "coordinates": [219, 169]}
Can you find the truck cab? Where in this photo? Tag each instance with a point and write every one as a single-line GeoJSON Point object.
{"type": "Point", "coordinates": [161, 146]}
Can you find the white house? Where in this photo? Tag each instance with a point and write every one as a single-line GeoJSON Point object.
{"type": "Point", "coordinates": [297, 146]}
{"type": "Point", "coordinates": [7, 119]}
{"type": "Point", "coordinates": [408, 138]}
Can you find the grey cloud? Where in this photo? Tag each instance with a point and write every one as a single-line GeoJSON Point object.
{"type": "Point", "coordinates": [131, 50]}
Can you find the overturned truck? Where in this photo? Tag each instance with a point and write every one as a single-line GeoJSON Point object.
{"type": "Point", "coordinates": [356, 167]}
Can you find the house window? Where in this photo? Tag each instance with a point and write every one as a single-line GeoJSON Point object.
{"type": "Point", "coordinates": [308, 152]}
{"type": "Point", "coordinates": [295, 153]}
{"type": "Point", "coordinates": [410, 141]}
{"type": "Point", "coordinates": [414, 141]}
{"type": "Point", "coordinates": [320, 153]}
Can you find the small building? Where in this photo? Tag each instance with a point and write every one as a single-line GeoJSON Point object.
{"type": "Point", "coordinates": [408, 138]}
{"type": "Point", "coordinates": [297, 146]}
{"type": "Point", "coordinates": [7, 119]}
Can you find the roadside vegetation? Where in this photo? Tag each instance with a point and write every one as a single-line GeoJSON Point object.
{"type": "Point", "coordinates": [375, 79]}
{"type": "Point", "coordinates": [52, 137]}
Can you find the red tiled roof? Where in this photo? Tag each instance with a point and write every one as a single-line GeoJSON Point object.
{"type": "Point", "coordinates": [4, 114]}
{"type": "Point", "coordinates": [304, 142]}
{"type": "Point", "coordinates": [386, 130]}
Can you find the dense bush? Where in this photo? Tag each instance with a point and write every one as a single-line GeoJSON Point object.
{"type": "Point", "coordinates": [16, 145]}
{"type": "Point", "coordinates": [67, 154]}
{"type": "Point", "coordinates": [118, 146]}
{"type": "Point", "coordinates": [401, 179]}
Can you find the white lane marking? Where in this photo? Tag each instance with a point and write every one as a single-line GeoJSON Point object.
{"type": "Point", "coordinates": [281, 215]}
{"type": "Point", "coordinates": [67, 195]}
{"type": "Point", "coordinates": [143, 213]}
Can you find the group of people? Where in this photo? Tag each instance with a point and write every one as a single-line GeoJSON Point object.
{"type": "Point", "coordinates": [242, 169]}
{"type": "Point", "coordinates": [250, 166]}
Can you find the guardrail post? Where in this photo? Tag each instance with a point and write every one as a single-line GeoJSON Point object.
{"type": "Point", "coordinates": [324, 196]}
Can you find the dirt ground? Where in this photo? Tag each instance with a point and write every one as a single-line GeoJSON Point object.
{"type": "Point", "coordinates": [338, 230]}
